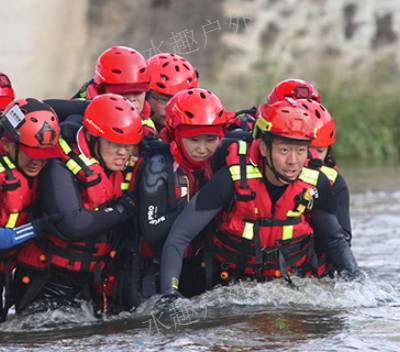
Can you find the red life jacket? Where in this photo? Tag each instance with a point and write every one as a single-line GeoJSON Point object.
{"type": "Point", "coordinates": [256, 238]}
{"type": "Point", "coordinates": [16, 196]}
{"type": "Point", "coordinates": [97, 190]}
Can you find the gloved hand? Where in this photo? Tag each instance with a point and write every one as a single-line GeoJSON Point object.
{"type": "Point", "coordinates": [46, 225]}
{"type": "Point", "coordinates": [126, 205]}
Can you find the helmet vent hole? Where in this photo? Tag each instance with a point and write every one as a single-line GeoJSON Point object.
{"type": "Point", "coordinates": [164, 77]}
{"type": "Point", "coordinates": [189, 80]}
{"type": "Point", "coordinates": [142, 70]}
{"type": "Point", "coordinates": [331, 135]}
{"type": "Point", "coordinates": [304, 106]}
{"type": "Point", "coordinates": [119, 108]}
{"type": "Point", "coordinates": [286, 111]}
{"type": "Point", "coordinates": [116, 71]}
{"type": "Point", "coordinates": [177, 68]}
{"type": "Point", "coordinates": [186, 66]}
{"type": "Point", "coordinates": [34, 119]}
{"type": "Point", "coordinates": [132, 108]}
{"type": "Point", "coordinates": [52, 118]}
{"type": "Point", "coordinates": [160, 85]}
{"type": "Point", "coordinates": [113, 98]}
{"type": "Point", "coordinates": [323, 109]}
{"type": "Point", "coordinates": [190, 92]}
{"type": "Point", "coordinates": [305, 114]}
{"type": "Point", "coordinates": [317, 114]}
{"type": "Point", "coordinates": [117, 53]}
{"type": "Point", "coordinates": [197, 74]}
{"type": "Point", "coordinates": [163, 57]}
{"type": "Point", "coordinates": [202, 95]}
{"type": "Point", "coordinates": [132, 52]}
{"type": "Point", "coordinates": [118, 130]}
{"type": "Point", "coordinates": [175, 59]}
{"type": "Point", "coordinates": [208, 91]}
{"type": "Point", "coordinates": [220, 113]}
{"type": "Point", "coordinates": [189, 114]}
{"type": "Point", "coordinates": [165, 64]}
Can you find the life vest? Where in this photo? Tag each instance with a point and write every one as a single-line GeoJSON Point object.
{"type": "Point", "coordinates": [16, 196]}
{"type": "Point", "coordinates": [255, 237]}
{"type": "Point", "coordinates": [97, 190]}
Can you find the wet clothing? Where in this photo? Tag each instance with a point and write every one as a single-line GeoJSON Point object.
{"type": "Point", "coordinates": [81, 248]}
{"type": "Point", "coordinates": [164, 190]}
{"type": "Point", "coordinates": [219, 194]}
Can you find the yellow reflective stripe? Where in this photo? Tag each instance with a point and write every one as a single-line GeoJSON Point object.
{"type": "Point", "coordinates": [287, 232]}
{"type": "Point", "coordinates": [242, 148]}
{"type": "Point", "coordinates": [309, 176]}
{"type": "Point", "coordinates": [73, 166]}
{"type": "Point", "coordinates": [293, 214]}
{"type": "Point", "coordinates": [64, 146]}
{"type": "Point", "coordinates": [248, 232]}
{"type": "Point", "coordinates": [2, 169]}
{"type": "Point", "coordinates": [330, 172]}
{"type": "Point", "coordinates": [251, 172]}
{"type": "Point", "coordinates": [124, 186]}
{"type": "Point", "coordinates": [149, 123]}
{"type": "Point", "coordinates": [128, 176]}
{"type": "Point", "coordinates": [9, 162]}
{"type": "Point", "coordinates": [12, 220]}
{"type": "Point", "coordinates": [87, 161]}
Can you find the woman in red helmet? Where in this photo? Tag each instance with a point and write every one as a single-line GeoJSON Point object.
{"type": "Point", "coordinates": [321, 158]}
{"type": "Point", "coordinates": [29, 137]}
{"type": "Point", "coordinates": [170, 74]}
{"type": "Point", "coordinates": [194, 127]}
{"type": "Point", "coordinates": [266, 209]}
{"type": "Point", "coordinates": [90, 186]}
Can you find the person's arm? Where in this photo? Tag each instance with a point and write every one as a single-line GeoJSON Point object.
{"type": "Point", "coordinates": [65, 108]}
{"type": "Point", "coordinates": [59, 191]}
{"type": "Point", "coordinates": [342, 196]}
{"type": "Point", "coordinates": [204, 206]}
{"type": "Point", "coordinates": [155, 215]}
{"type": "Point", "coordinates": [330, 233]}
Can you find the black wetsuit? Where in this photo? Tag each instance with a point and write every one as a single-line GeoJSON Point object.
{"type": "Point", "coordinates": [219, 193]}
{"type": "Point", "coordinates": [59, 193]}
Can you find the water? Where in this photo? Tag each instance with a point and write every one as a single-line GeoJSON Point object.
{"type": "Point", "coordinates": [321, 315]}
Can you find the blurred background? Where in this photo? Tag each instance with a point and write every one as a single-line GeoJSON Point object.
{"type": "Point", "coordinates": [348, 48]}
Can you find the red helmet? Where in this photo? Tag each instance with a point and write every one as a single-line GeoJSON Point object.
{"type": "Point", "coordinates": [323, 123]}
{"type": "Point", "coordinates": [34, 126]}
{"type": "Point", "coordinates": [113, 118]}
{"type": "Point", "coordinates": [196, 108]}
{"type": "Point", "coordinates": [6, 91]}
{"type": "Point", "coordinates": [122, 70]}
{"type": "Point", "coordinates": [171, 73]}
{"type": "Point", "coordinates": [285, 119]}
{"type": "Point", "coordinates": [293, 88]}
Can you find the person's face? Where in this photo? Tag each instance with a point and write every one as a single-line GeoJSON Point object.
{"type": "Point", "coordinates": [158, 103]}
{"type": "Point", "coordinates": [30, 167]}
{"type": "Point", "coordinates": [202, 147]}
{"type": "Point", "coordinates": [288, 159]}
{"type": "Point", "coordinates": [115, 155]}
{"type": "Point", "coordinates": [136, 98]}
{"type": "Point", "coordinates": [322, 152]}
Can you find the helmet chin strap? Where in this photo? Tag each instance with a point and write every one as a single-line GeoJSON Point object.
{"type": "Point", "coordinates": [277, 175]}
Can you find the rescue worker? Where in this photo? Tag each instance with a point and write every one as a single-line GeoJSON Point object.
{"type": "Point", "coordinates": [321, 158]}
{"type": "Point", "coordinates": [90, 186]}
{"type": "Point", "coordinates": [6, 91]}
{"type": "Point", "coordinates": [267, 206]}
{"type": "Point", "coordinates": [173, 175]}
{"type": "Point", "coordinates": [170, 74]}
{"type": "Point", "coordinates": [29, 137]}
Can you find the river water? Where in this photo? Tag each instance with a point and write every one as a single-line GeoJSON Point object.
{"type": "Point", "coordinates": [320, 315]}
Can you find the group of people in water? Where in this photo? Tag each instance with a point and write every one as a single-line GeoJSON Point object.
{"type": "Point", "coordinates": [143, 184]}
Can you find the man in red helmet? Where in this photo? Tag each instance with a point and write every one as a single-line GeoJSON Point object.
{"type": "Point", "coordinates": [266, 206]}
{"type": "Point", "coordinates": [170, 74]}
{"type": "Point", "coordinates": [29, 137]}
{"type": "Point", "coordinates": [81, 258]}
{"type": "Point", "coordinates": [6, 91]}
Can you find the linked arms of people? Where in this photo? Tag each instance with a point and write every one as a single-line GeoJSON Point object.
{"type": "Point", "coordinates": [10, 238]}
